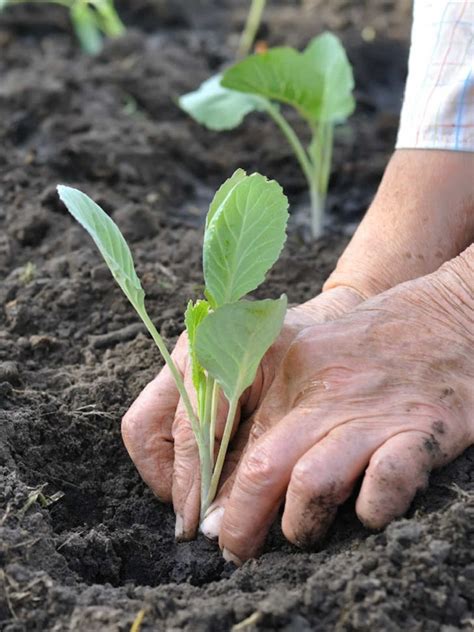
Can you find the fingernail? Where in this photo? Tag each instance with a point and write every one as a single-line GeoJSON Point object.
{"type": "Point", "coordinates": [211, 525]}
{"type": "Point", "coordinates": [230, 557]}
{"type": "Point", "coordinates": [179, 527]}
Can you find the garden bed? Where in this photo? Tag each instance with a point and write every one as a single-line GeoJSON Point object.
{"type": "Point", "coordinates": [84, 545]}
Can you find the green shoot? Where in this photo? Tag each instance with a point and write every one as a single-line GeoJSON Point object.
{"type": "Point", "coordinates": [317, 82]}
{"type": "Point", "coordinates": [251, 27]}
{"type": "Point", "coordinates": [91, 20]}
{"type": "Point", "coordinates": [227, 336]}
{"type": "Point", "coordinates": [28, 273]}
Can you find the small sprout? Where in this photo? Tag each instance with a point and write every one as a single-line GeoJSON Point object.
{"type": "Point", "coordinates": [28, 273]}
{"type": "Point", "coordinates": [249, 621]}
{"type": "Point", "coordinates": [91, 20]}
{"type": "Point", "coordinates": [317, 82]}
{"type": "Point", "coordinates": [227, 335]}
{"type": "Point", "coordinates": [37, 496]}
{"type": "Point", "coordinates": [368, 33]}
{"type": "Point", "coordinates": [137, 622]}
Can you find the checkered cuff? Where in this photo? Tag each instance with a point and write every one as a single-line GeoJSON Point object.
{"type": "Point", "coordinates": [438, 108]}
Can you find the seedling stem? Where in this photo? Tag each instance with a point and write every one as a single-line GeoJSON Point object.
{"type": "Point", "coordinates": [229, 423]}
{"type": "Point", "coordinates": [172, 367]}
{"type": "Point", "coordinates": [315, 163]}
{"type": "Point", "coordinates": [90, 18]}
{"type": "Point", "coordinates": [251, 27]}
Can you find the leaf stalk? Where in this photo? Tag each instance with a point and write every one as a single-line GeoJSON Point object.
{"type": "Point", "coordinates": [315, 163]}
{"type": "Point", "coordinates": [212, 432]}
{"type": "Point", "coordinates": [229, 423]}
{"type": "Point", "coordinates": [172, 367]}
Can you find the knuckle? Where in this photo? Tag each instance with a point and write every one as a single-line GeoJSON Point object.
{"type": "Point", "coordinates": [258, 469]}
{"type": "Point", "coordinates": [182, 431]}
{"type": "Point", "coordinates": [183, 436]}
{"type": "Point", "coordinates": [301, 483]}
{"type": "Point", "coordinates": [308, 367]}
{"type": "Point", "coordinates": [386, 470]}
{"type": "Point", "coordinates": [297, 351]}
{"type": "Point", "coordinates": [308, 482]}
{"type": "Point", "coordinates": [256, 431]}
{"type": "Point", "coordinates": [399, 476]}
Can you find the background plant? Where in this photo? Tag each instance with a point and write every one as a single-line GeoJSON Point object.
{"type": "Point", "coordinates": [252, 24]}
{"type": "Point", "coordinates": [316, 82]}
{"type": "Point", "coordinates": [91, 19]}
{"type": "Point", "coordinates": [227, 335]}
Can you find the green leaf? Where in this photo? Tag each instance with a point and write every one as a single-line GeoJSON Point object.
{"type": "Point", "coordinates": [86, 28]}
{"type": "Point", "coordinates": [280, 74]}
{"type": "Point", "coordinates": [244, 238]}
{"type": "Point", "coordinates": [194, 315]}
{"type": "Point", "coordinates": [231, 342]}
{"type": "Point", "coordinates": [118, 257]}
{"type": "Point", "coordinates": [109, 240]}
{"type": "Point", "coordinates": [219, 108]}
{"type": "Point", "coordinates": [3, 4]}
{"type": "Point", "coordinates": [318, 82]}
{"type": "Point", "coordinates": [223, 191]}
{"type": "Point", "coordinates": [331, 60]}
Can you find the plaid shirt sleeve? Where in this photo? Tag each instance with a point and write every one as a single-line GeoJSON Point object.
{"type": "Point", "coordinates": [438, 108]}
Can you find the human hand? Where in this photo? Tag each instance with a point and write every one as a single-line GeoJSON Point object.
{"type": "Point", "coordinates": [385, 392]}
{"type": "Point", "coordinates": [157, 432]}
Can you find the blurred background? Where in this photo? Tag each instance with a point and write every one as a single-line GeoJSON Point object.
{"type": "Point", "coordinates": [110, 123]}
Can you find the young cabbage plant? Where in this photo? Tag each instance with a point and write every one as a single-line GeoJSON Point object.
{"type": "Point", "coordinates": [317, 82]}
{"type": "Point", "coordinates": [91, 20]}
{"type": "Point", "coordinates": [227, 335]}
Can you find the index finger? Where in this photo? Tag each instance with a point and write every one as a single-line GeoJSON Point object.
{"type": "Point", "coordinates": [261, 482]}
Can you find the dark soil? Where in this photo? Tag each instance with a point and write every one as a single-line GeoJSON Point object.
{"type": "Point", "coordinates": [84, 545]}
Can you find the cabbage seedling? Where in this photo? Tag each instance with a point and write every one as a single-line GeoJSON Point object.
{"type": "Point", "coordinates": [317, 82]}
{"type": "Point", "coordinates": [90, 18]}
{"type": "Point", "coordinates": [228, 336]}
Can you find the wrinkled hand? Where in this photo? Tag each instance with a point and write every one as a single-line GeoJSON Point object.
{"type": "Point", "coordinates": [156, 430]}
{"type": "Point", "coordinates": [385, 391]}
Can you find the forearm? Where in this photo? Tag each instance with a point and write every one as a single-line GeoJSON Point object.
{"type": "Point", "coordinates": [423, 213]}
{"type": "Point", "coordinates": [422, 216]}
